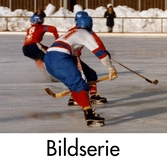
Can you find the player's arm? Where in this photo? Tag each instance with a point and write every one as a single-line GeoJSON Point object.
{"type": "Point", "coordinates": [52, 30]}
{"type": "Point", "coordinates": [102, 55]}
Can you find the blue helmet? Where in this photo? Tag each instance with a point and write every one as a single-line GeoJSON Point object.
{"type": "Point", "coordinates": [80, 14]}
{"type": "Point", "coordinates": [83, 20]}
{"type": "Point", "coordinates": [36, 19]}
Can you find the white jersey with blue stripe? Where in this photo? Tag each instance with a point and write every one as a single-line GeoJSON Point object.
{"type": "Point", "coordinates": [77, 38]}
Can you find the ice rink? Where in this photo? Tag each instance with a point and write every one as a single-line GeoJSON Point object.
{"type": "Point", "coordinates": [134, 105]}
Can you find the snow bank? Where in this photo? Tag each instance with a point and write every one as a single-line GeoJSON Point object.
{"type": "Point", "coordinates": [63, 23]}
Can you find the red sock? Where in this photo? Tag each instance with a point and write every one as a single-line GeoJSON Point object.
{"type": "Point", "coordinates": [93, 89]}
{"type": "Point", "coordinates": [82, 98]}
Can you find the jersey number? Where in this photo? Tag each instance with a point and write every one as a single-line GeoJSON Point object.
{"type": "Point", "coordinates": [69, 34]}
{"type": "Point", "coordinates": [30, 34]}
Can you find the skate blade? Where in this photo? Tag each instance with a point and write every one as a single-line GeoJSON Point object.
{"type": "Point", "coordinates": [99, 102]}
{"type": "Point", "coordinates": [73, 104]}
{"type": "Point", "coordinates": [95, 123]}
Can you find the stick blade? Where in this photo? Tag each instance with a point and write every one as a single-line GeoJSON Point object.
{"type": "Point", "coordinates": [152, 82]}
{"type": "Point", "coordinates": [155, 82]}
{"type": "Point", "coordinates": [50, 92]}
{"type": "Point", "coordinates": [57, 95]}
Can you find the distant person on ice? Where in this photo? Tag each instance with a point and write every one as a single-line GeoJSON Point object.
{"type": "Point", "coordinates": [60, 64]}
{"type": "Point", "coordinates": [110, 15]}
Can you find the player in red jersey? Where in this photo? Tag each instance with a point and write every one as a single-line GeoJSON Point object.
{"type": "Point", "coordinates": [33, 48]}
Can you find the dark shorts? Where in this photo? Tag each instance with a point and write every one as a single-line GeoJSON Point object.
{"type": "Point", "coordinates": [33, 51]}
{"type": "Point", "coordinates": [90, 74]}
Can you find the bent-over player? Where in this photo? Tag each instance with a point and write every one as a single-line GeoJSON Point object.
{"type": "Point", "coordinates": [59, 63]}
{"type": "Point", "coordinates": [32, 47]}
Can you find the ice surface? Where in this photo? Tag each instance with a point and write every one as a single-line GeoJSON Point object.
{"type": "Point", "coordinates": [134, 105]}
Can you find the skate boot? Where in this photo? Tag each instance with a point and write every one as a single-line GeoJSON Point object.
{"type": "Point", "coordinates": [93, 119]}
{"type": "Point", "coordinates": [72, 102]}
{"type": "Point", "coordinates": [97, 99]}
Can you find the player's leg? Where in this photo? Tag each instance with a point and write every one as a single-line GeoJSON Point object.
{"type": "Point", "coordinates": [35, 52]}
{"type": "Point", "coordinates": [91, 75]}
{"type": "Point", "coordinates": [62, 66]}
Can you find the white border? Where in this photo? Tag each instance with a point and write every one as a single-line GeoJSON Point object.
{"type": "Point", "coordinates": [136, 150]}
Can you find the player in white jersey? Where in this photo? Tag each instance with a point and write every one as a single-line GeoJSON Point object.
{"type": "Point", "coordinates": [59, 63]}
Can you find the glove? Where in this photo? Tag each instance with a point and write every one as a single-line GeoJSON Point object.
{"type": "Point", "coordinates": [106, 61]}
{"type": "Point", "coordinates": [113, 74]}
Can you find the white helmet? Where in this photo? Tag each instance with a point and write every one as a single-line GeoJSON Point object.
{"type": "Point", "coordinates": [109, 5]}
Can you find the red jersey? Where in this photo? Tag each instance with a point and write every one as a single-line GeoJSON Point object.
{"type": "Point", "coordinates": [35, 33]}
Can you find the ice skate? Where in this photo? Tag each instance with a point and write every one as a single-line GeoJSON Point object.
{"type": "Point", "coordinates": [93, 119]}
{"type": "Point", "coordinates": [72, 102]}
{"type": "Point", "coordinates": [97, 99]}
